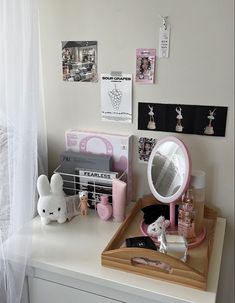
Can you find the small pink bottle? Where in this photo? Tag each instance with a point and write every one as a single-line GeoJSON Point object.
{"type": "Point", "coordinates": [104, 209]}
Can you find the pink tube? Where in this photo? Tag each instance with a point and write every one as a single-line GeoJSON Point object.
{"type": "Point", "coordinates": [119, 200]}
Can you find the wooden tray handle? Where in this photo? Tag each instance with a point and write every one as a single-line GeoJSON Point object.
{"type": "Point", "coordinates": [156, 264]}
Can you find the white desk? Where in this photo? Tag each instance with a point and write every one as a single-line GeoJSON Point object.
{"type": "Point", "coordinates": [66, 267]}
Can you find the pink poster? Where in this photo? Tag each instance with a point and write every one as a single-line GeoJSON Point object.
{"type": "Point", "coordinates": [145, 65]}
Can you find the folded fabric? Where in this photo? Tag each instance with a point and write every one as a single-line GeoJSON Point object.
{"type": "Point", "coordinates": [141, 242]}
{"type": "Point", "coordinates": [154, 211]}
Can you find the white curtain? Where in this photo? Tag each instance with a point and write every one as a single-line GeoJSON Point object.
{"type": "Point", "coordinates": [23, 153]}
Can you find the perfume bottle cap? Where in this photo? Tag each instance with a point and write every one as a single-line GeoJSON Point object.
{"type": "Point", "coordinates": [104, 199]}
{"type": "Point", "coordinates": [198, 179]}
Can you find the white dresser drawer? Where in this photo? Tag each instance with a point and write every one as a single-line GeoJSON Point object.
{"type": "Point", "coordinates": [47, 292]}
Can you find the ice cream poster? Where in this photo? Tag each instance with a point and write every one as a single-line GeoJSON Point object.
{"type": "Point", "coordinates": [116, 97]}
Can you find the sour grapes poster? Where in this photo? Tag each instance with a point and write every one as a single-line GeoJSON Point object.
{"type": "Point", "coordinates": [116, 97]}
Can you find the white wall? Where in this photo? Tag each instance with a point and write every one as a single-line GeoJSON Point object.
{"type": "Point", "coordinates": [199, 71]}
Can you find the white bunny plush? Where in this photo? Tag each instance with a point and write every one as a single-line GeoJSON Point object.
{"type": "Point", "coordinates": [173, 244]}
{"type": "Point", "coordinates": [158, 229]}
{"type": "Point", "coordinates": [52, 203]}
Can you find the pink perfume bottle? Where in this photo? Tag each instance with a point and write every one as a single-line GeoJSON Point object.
{"type": "Point", "coordinates": [186, 217]}
{"type": "Point", "coordinates": [104, 209]}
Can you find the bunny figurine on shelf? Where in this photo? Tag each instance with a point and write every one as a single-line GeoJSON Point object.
{"type": "Point", "coordinates": [158, 229]}
{"type": "Point", "coordinates": [52, 203]}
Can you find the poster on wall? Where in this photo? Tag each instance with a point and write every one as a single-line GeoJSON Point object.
{"type": "Point", "coordinates": [145, 148]}
{"type": "Point", "coordinates": [116, 97]}
{"type": "Point", "coordinates": [79, 61]}
{"type": "Point", "coordinates": [145, 65]}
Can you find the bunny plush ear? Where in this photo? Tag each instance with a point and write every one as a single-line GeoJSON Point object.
{"type": "Point", "coordinates": [167, 223]}
{"type": "Point", "coordinates": [43, 186]}
{"type": "Point", "coordinates": [57, 184]}
{"type": "Point", "coordinates": [160, 220]}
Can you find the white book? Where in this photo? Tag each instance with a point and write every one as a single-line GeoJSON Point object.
{"type": "Point", "coordinates": [105, 176]}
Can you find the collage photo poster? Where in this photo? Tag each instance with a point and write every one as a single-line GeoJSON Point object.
{"type": "Point", "coordinates": [145, 65]}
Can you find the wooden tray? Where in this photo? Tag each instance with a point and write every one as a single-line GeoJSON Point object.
{"type": "Point", "coordinates": [193, 273]}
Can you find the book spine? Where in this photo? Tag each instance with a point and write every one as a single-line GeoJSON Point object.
{"type": "Point", "coordinates": [97, 175]}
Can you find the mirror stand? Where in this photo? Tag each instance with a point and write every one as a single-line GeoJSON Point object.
{"type": "Point", "coordinates": [172, 216]}
{"type": "Point", "coordinates": [169, 175]}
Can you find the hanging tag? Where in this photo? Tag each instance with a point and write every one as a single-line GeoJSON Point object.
{"type": "Point", "coordinates": [164, 42]}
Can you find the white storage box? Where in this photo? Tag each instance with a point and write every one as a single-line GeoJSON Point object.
{"type": "Point", "coordinates": [119, 146]}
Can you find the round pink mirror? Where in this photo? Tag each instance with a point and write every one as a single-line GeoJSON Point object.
{"type": "Point", "coordinates": [169, 171]}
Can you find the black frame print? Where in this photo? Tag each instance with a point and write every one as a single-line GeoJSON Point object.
{"type": "Point", "coordinates": [151, 116]}
{"type": "Point", "coordinates": [181, 118]}
{"type": "Point", "coordinates": [210, 120]}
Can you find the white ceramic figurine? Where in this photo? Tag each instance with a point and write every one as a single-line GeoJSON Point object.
{"type": "Point", "coordinates": [209, 128]}
{"type": "Point", "coordinates": [151, 123]}
{"type": "Point", "coordinates": [179, 117]}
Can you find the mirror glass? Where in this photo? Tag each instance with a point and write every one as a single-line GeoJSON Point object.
{"type": "Point", "coordinates": [169, 169]}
